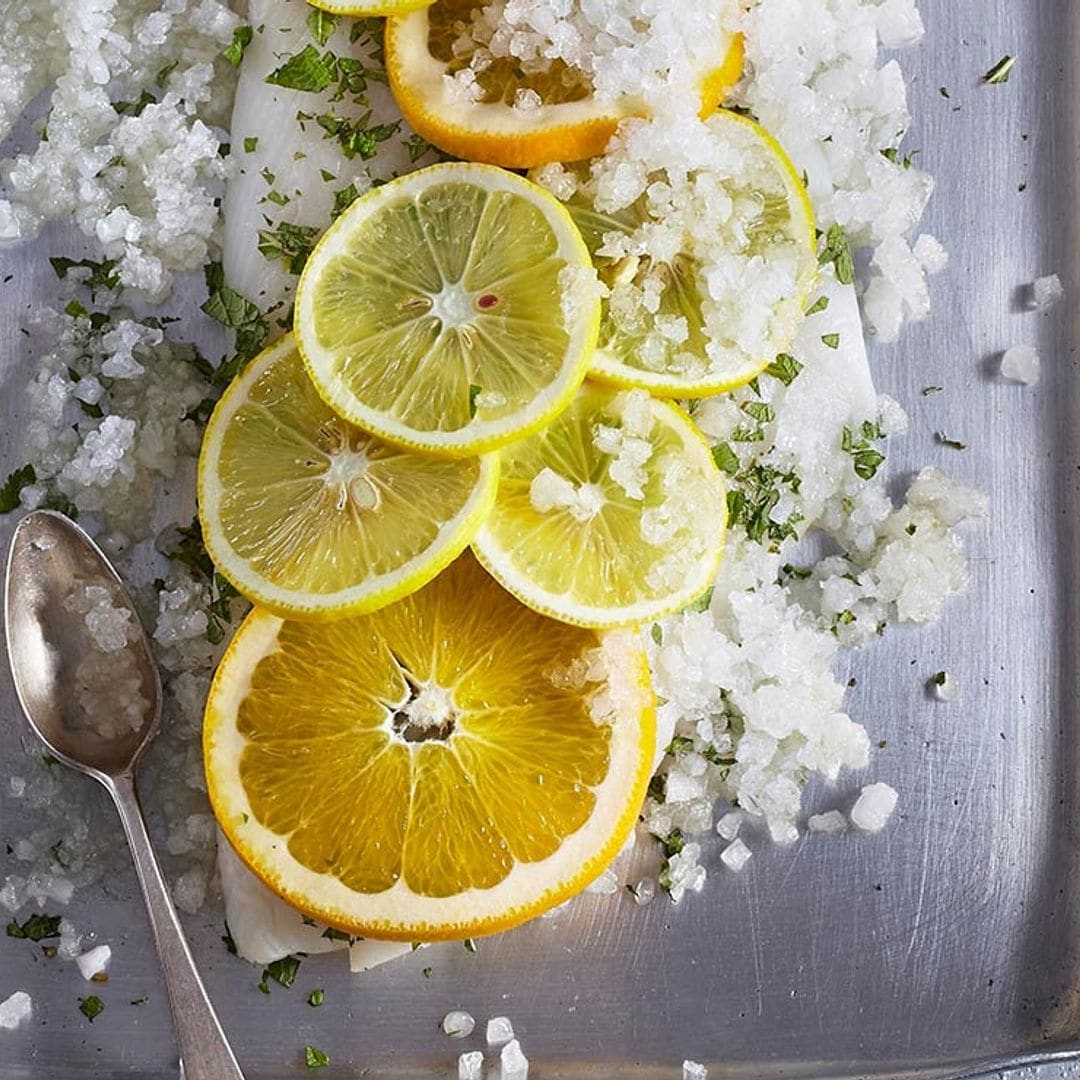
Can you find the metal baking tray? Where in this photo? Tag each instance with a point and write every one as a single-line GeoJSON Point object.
{"type": "Point", "coordinates": [947, 945]}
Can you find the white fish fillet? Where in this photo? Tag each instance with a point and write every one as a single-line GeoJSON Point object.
{"type": "Point", "coordinates": [263, 926]}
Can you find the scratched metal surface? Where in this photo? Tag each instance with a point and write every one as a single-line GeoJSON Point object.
{"type": "Point", "coordinates": [947, 945]}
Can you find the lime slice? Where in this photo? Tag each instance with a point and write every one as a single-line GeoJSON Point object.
{"type": "Point", "coordinates": [613, 514]}
{"type": "Point", "coordinates": [311, 517]}
{"type": "Point", "coordinates": [453, 310]}
{"type": "Point", "coordinates": [714, 313]}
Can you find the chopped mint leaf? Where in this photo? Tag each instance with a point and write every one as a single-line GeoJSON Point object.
{"type": "Point", "coordinates": [36, 928]}
{"type": "Point", "coordinates": [91, 1006]}
{"type": "Point", "coordinates": [251, 144]}
{"type": "Point", "coordinates": [785, 367]}
{"type": "Point", "coordinates": [228, 307]}
{"type": "Point", "coordinates": [417, 146]}
{"type": "Point", "coordinates": [939, 679]}
{"type": "Point", "coordinates": [820, 304]}
{"type": "Point", "coordinates": [911, 529]}
{"type": "Point", "coordinates": [316, 998]}
{"type": "Point", "coordinates": [726, 459]}
{"type": "Point", "coordinates": [331, 934]}
{"type": "Point", "coordinates": [134, 108]}
{"type": "Point", "coordinates": [470, 945]}
{"type": "Point", "coordinates": [292, 244]}
{"type": "Point", "coordinates": [893, 155]}
{"type": "Point", "coordinates": [102, 274]}
{"type": "Point", "coordinates": [343, 199]}
{"type": "Point", "coordinates": [474, 393]}
{"type": "Point", "coordinates": [306, 70]}
{"type": "Point", "coordinates": [354, 136]}
{"type": "Point", "coordinates": [140, 1000]}
{"type": "Point", "coordinates": [657, 633]}
{"type": "Point", "coordinates": [1001, 71]}
{"type": "Point", "coordinates": [762, 412]}
{"type": "Point", "coordinates": [315, 1059]}
{"type": "Point", "coordinates": [928, 390]}
{"type": "Point", "coordinates": [673, 843]}
{"type": "Point", "coordinates": [679, 744]}
{"type": "Point", "coordinates": [241, 39]}
{"type": "Point", "coordinates": [12, 488]}
{"type": "Point", "coordinates": [426, 973]}
{"type": "Point", "coordinates": [322, 25]}
{"type": "Point", "coordinates": [702, 602]}
{"type": "Point", "coordinates": [282, 971]}
{"type": "Point", "coordinates": [831, 340]}
{"type": "Point", "coordinates": [837, 253]}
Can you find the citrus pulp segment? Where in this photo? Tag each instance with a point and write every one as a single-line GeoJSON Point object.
{"type": "Point", "coordinates": [490, 122]}
{"type": "Point", "coordinates": [312, 517]}
{"type": "Point", "coordinates": [613, 514]}
{"type": "Point", "coordinates": [695, 322]}
{"type": "Point", "coordinates": [448, 766]}
{"type": "Point", "coordinates": [452, 310]}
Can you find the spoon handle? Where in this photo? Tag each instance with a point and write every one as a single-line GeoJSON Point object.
{"type": "Point", "coordinates": [204, 1051]}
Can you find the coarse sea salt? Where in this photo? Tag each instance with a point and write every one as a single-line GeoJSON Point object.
{"type": "Point", "coordinates": [1047, 291]}
{"type": "Point", "coordinates": [832, 822]}
{"type": "Point", "coordinates": [736, 855]}
{"type": "Point", "coordinates": [15, 1010]}
{"type": "Point", "coordinates": [874, 807]}
{"type": "Point", "coordinates": [94, 962]}
{"type": "Point", "coordinates": [471, 1065]}
{"type": "Point", "coordinates": [691, 1070]}
{"type": "Point", "coordinates": [1020, 363]}
{"type": "Point", "coordinates": [513, 1064]}
{"type": "Point", "coordinates": [499, 1031]}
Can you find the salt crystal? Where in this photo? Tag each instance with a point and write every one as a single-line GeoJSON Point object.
{"type": "Point", "coordinates": [499, 1031]}
{"type": "Point", "coordinates": [94, 962]}
{"type": "Point", "coordinates": [728, 826]}
{"type": "Point", "coordinates": [606, 884]}
{"type": "Point", "coordinates": [513, 1064]}
{"type": "Point", "coordinates": [15, 1010]}
{"type": "Point", "coordinates": [458, 1024]}
{"type": "Point", "coordinates": [1047, 291]}
{"type": "Point", "coordinates": [17, 786]}
{"type": "Point", "coordinates": [471, 1066]}
{"type": "Point", "coordinates": [1021, 364]}
{"type": "Point", "coordinates": [736, 855]}
{"type": "Point", "coordinates": [873, 807]}
{"type": "Point", "coordinates": [643, 892]}
{"type": "Point", "coordinates": [831, 822]}
{"type": "Point", "coordinates": [691, 1070]}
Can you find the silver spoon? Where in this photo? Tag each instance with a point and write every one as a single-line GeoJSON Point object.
{"type": "Point", "coordinates": [50, 557]}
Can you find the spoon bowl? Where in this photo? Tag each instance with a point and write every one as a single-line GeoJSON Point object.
{"type": "Point", "coordinates": [88, 684]}
{"type": "Point", "coordinates": [49, 560]}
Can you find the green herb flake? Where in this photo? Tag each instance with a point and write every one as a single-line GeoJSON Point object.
{"type": "Point", "coordinates": [227, 938]}
{"type": "Point", "coordinates": [12, 488]}
{"type": "Point", "coordinates": [474, 393]}
{"type": "Point", "coordinates": [134, 108]}
{"type": "Point", "coordinates": [343, 199]}
{"type": "Point", "coordinates": [308, 70]}
{"type": "Point", "coordinates": [251, 144]}
{"type": "Point", "coordinates": [785, 367]}
{"type": "Point", "coordinates": [91, 1007]}
{"type": "Point", "coordinates": [314, 1058]}
{"type": "Point", "coordinates": [837, 253]}
{"type": "Point", "coordinates": [702, 603]}
{"type": "Point", "coordinates": [762, 412]}
{"type": "Point", "coordinates": [139, 1000]}
{"type": "Point", "coordinates": [322, 25]}
{"type": "Point", "coordinates": [832, 341]}
{"type": "Point", "coordinates": [36, 928]}
{"type": "Point", "coordinates": [292, 244]}
{"type": "Point", "coordinates": [673, 843]}
{"type": "Point", "coordinates": [657, 633]}
{"type": "Point", "coordinates": [679, 744]}
{"type": "Point", "coordinates": [426, 973]}
{"type": "Point", "coordinates": [952, 444]}
{"type": "Point", "coordinates": [102, 275]}
{"type": "Point", "coordinates": [228, 307]}
{"type": "Point", "coordinates": [316, 998]}
{"type": "Point", "coordinates": [928, 390]}
{"type": "Point", "coordinates": [282, 971]}
{"type": "Point", "coordinates": [939, 679]}
{"type": "Point", "coordinates": [800, 572]}
{"type": "Point", "coordinates": [911, 529]}
{"type": "Point", "coordinates": [726, 459]}
{"type": "Point", "coordinates": [1001, 71]}
{"type": "Point", "coordinates": [241, 39]}
{"type": "Point", "coordinates": [470, 945]}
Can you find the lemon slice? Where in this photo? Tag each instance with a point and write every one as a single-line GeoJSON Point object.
{"type": "Point", "coordinates": [490, 121]}
{"type": "Point", "coordinates": [446, 767]}
{"type": "Point", "coordinates": [312, 517]}
{"type": "Point", "coordinates": [452, 310]}
{"type": "Point", "coordinates": [714, 315]}
{"type": "Point", "coordinates": [613, 514]}
{"type": "Point", "coordinates": [385, 7]}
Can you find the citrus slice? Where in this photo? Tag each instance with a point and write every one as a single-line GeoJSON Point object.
{"type": "Point", "coordinates": [716, 313]}
{"type": "Point", "coordinates": [449, 766]}
{"type": "Point", "coordinates": [613, 514]}
{"type": "Point", "coordinates": [312, 517]}
{"type": "Point", "coordinates": [451, 310]}
{"type": "Point", "coordinates": [505, 114]}
{"type": "Point", "coordinates": [356, 7]}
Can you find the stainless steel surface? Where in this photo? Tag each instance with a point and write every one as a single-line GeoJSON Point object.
{"type": "Point", "coordinates": [948, 944]}
{"type": "Point", "coordinates": [50, 557]}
